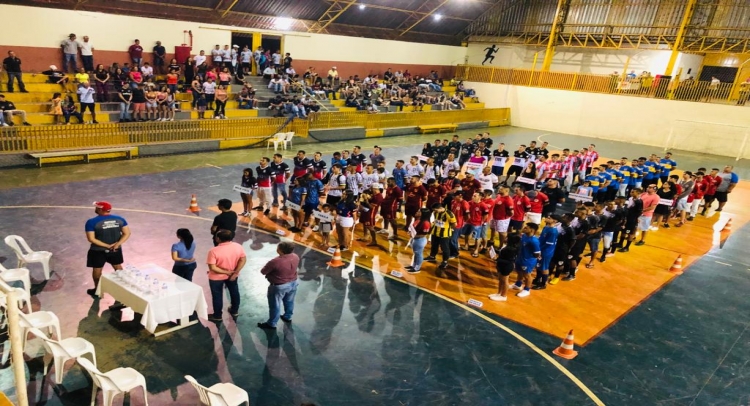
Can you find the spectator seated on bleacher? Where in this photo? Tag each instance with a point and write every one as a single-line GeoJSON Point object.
{"type": "Point", "coordinates": [276, 103]}
{"type": "Point", "coordinates": [147, 71]}
{"type": "Point", "coordinates": [462, 89]}
{"type": "Point", "coordinates": [352, 101]}
{"type": "Point", "coordinates": [277, 85]}
{"type": "Point", "coordinates": [457, 101]}
{"type": "Point", "coordinates": [8, 109]}
{"type": "Point", "coordinates": [70, 109]}
{"type": "Point", "coordinates": [57, 76]}
{"type": "Point", "coordinates": [269, 72]}
{"type": "Point", "coordinates": [246, 98]}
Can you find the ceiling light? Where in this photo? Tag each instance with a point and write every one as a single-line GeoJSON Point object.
{"type": "Point", "coordinates": [362, 6]}
{"type": "Point", "coordinates": [283, 23]}
{"type": "Point", "coordinates": [438, 17]}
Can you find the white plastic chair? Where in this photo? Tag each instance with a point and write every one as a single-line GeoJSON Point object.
{"type": "Point", "coordinates": [39, 320]}
{"type": "Point", "coordinates": [28, 256]}
{"type": "Point", "coordinates": [288, 140]}
{"type": "Point", "coordinates": [277, 139]}
{"type": "Point", "coordinates": [17, 274]}
{"type": "Point", "coordinates": [62, 351]}
{"type": "Point", "coordinates": [114, 382]}
{"type": "Point", "coordinates": [221, 394]}
{"type": "Point", "coordinates": [23, 299]}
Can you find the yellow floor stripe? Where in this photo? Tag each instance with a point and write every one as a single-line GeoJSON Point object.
{"type": "Point", "coordinates": [519, 337]}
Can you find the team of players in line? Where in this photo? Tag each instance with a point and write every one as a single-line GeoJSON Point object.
{"type": "Point", "coordinates": [615, 201]}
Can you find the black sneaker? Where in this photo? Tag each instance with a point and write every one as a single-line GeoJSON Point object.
{"type": "Point", "coordinates": [408, 267]}
{"type": "Point", "coordinates": [443, 265]}
{"type": "Point", "coordinates": [95, 122]}
{"type": "Point", "coordinates": [285, 320]}
{"type": "Point", "coordinates": [413, 271]}
{"type": "Point", "coordinates": [624, 250]}
{"type": "Point", "coordinates": [214, 318]}
{"type": "Point", "coordinates": [234, 314]}
{"type": "Point", "coordinates": [266, 326]}
{"type": "Point", "coordinates": [430, 259]}
{"type": "Point", "coordinates": [267, 212]}
{"type": "Point", "coordinates": [91, 292]}
{"type": "Point", "coordinates": [25, 122]}
{"type": "Point", "coordinates": [540, 287]}
{"type": "Point", "coordinates": [639, 243]}
{"type": "Point", "coordinates": [569, 278]}
{"type": "Point", "coordinates": [691, 218]}
{"type": "Point", "coordinates": [258, 208]}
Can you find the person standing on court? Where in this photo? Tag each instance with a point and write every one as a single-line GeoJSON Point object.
{"type": "Point", "coordinates": [281, 273]}
{"type": "Point", "coordinates": [226, 220]}
{"type": "Point", "coordinates": [225, 261]}
{"type": "Point", "coordinates": [106, 233]}
{"type": "Point", "coordinates": [183, 255]}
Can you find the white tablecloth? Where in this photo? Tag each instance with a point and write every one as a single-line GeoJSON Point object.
{"type": "Point", "coordinates": [182, 299]}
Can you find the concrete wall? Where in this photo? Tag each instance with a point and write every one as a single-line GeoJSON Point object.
{"type": "Point", "coordinates": [599, 61]}
{"type": "Point", "coordinates": [700, 127]}
{"type": "Point", "coordinates": [35, 34]}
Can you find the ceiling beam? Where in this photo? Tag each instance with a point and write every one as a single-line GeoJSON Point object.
{"type": "Point", "coordinates": [229, 8]}
{"type": "Point", "coordinates": [336, 8]}
{"type": "Point", "coordinates": [405, 11]}
{"type": "Point", "coordinates": [424, 10]}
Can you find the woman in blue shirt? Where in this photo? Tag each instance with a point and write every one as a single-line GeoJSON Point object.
{"type": "Point", "coordinates": [183, 254]}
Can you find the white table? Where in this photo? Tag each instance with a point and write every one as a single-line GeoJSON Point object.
{"type": "Point", "coordinates": [182, 299]}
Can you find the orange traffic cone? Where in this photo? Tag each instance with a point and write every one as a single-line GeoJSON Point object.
{"type": "Point", "coordinates": [728, 225]}
{"type": "Point", "coordinates": [676, 268]}
{"type": "Point", "coordinates": [194, 205]}
{"type": "Point", "coordinates": [336, 260]}
{"type": "Point", "coordinates": [565, 349]}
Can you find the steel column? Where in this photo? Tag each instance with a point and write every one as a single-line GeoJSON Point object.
{"type": "Point", "coordinates": [686, 17]}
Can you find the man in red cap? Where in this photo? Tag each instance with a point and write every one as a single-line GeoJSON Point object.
{"type": "Point", "coordinates": [106, 233]}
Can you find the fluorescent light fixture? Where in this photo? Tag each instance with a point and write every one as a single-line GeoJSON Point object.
{"type": "Point", "coordinates": [438, 17]}
{"type": "Point", "coordinates": [283, 23]}
{"type": "Point", "coordinates": [362, 6]}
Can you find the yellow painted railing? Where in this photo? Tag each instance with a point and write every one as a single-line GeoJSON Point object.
{"type": "Point", "coordinates": [52, 137]}
{"type": "Point", "coordinates": [390, 120]}
{"type": "Point", "coordinates": [690, 90]}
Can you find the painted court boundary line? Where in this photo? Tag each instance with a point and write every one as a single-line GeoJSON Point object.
{"type": "Point", "coordinates": [486, 318]}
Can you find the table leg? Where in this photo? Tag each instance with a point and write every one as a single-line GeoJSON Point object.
{"type": "Point", "coordinates": [183, 323]}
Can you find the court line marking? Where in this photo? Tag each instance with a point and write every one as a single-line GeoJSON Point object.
{"type": "Point", "coordinates": [465, 307]}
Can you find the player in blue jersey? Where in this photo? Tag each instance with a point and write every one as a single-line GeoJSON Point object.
{"type": "Point", "coordinates": [527, 258]}
{"type": "Point", "coordinates": [106, 233]}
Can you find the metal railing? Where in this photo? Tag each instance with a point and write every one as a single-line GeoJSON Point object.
{"type": "Point", "coordinates": [48, 138]}
{"type": "Point", "coordinates": [689, 90]}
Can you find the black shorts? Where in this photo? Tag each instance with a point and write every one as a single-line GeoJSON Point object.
{"type": "Point", "coordinates": [89, 106]}
{"type": "Point", "coordinates": [577, 250]}
{"type": "Point", "coordinates": [516, 225]}
{"type": "Point", "coordinates": [333, 200]}
{"type": "Point", "coordinates": [504, 267]}
{"type": "Point", "coordinates": [721, 196]}
{"type": "Point", "coordinates": [709, 198]}
{"type": "Point", "coordinates": [498, 170]}
{"type": "Point", "coordinates": [97, 259]}
{"type": "Point", "coordinates": [308, 208]}
{"type": "Point", "coordinates": [630, 226]}
{"type": "Point", "coordinates": [246, 65]}
{"type": "Point", "coordinates": [515, 170]}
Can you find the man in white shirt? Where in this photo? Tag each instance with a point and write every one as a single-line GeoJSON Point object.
{"type": "Point", "coordinates": [268, 72]}
{"type": "Point", "coordinates": [87, 53]}
{"type": "Point", "coordinates": [200, 58]}
{"type": "Point", "coordinates": [216, 55]}
{"type": "Point", "coordinates": [147, 71]}
{"type": "Point", "coordinates": [413, 168]}
{"type": "Point", "coordinates": [70, 52]}
{"type": "Point", "coordinates": [276, 58]}
{"type": "Point", "coordinates": [87, 100]}
{"type": "Point", "coordinates": [245, 56]}
{"type": "Point", "coordinates": [226, 57]}
{"type": "Point", "coordinates": [487, 179]}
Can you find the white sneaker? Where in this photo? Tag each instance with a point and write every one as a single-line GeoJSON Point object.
{"type": "Point", "coordinates": [498, 297]}
{"type": "Point", "coordinates": [5, 125]}
{"type": "Point", "coordinates": [383, 231]}
{"type": "Point", "coordinates": [653, 228]}
{"type": "Point", "coordinates": [316, 228]}
{"type": "Point", "coordinates": [523, 293]}
{"type": "Point", "coordinates": [515, 287]}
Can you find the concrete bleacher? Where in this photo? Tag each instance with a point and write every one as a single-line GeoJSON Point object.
{"type": "Point", "coordinates": [36, 103]}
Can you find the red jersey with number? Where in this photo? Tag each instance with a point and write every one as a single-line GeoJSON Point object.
{"type": "Point", "coordinates": [521, 204]}
{"type": "Point", "coordinates": [477, 211]}
{"type": "Point", "coordinates": [502, 208]}
{"type": "Point", "coordinates": [435, 194]}
{"type": "Point", "coordinates": [538, 202]}
{"type": "Point", "coordinates": [459, 210]}
{"type": "Point", "coordinates": [415, 195]}
{"type": "Point", "coordinates": [712, 182]}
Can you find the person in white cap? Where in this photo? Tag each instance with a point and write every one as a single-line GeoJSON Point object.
{"type": "Point", "coordinates": [106, 233]}
{"type": "Point", "coordinates": [333, 76]}
{"type": "Point", "coordinates": [57, 76]}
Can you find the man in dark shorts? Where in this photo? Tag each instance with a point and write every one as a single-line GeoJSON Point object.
{"type": "Point", "coordinates": [393, 197]}
{"type": "Point", "coordinates": [581, 230]}
{"type": "Point", "coordinates": [106, 233]}
{"type": "Point", "coordinates": [226, 220]}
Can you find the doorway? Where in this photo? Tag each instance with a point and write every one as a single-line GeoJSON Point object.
{"type": "Point", "coordinates": [243, 39]}
{"type": "Point", "coordinates": [271, 43]}
{"type": "Point", "coordinates": [723, 73]}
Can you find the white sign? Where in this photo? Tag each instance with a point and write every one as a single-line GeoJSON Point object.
{"type": "Point", "coordinates": [475, 303]}
{"type": "Point", "coordinates": [666, 202]}
{"type": "Point", "coordinates": [397, 274]}
{"type": "Point", "coordinates": [492, 252]}
{"type": "Point", "coordinates": [292, 206]}
{"type": "Point", "coordinates": [246, 190]}
{"type": "Point", "coordinates": [580, 198]}
{"type": "Point", "coordinates": [472, 166]}
{"type": "Point", "coordinates": [280, 232]}
{"type": "Point", "coordinates": [422, 158]}
{"type": "Point", "coordinates": [328, 218]}
{"type": "Point", "coordinates": [521, 179]}
{"type": "Point", "coordinates": [331, 249]}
